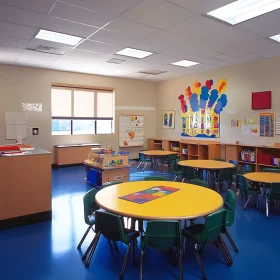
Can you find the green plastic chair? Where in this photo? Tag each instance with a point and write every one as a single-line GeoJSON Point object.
{"type": "Point", "coordinates": [176, 169]}
{"type": "Point", "coordinates": [111, 227]}
{"type": "Point", "coordinates": [108, 184]}
{"type": "Point", "coordinates": [229, 206]}
{"type": "Point", "coordinates": [234, 170]}
{"type": "Point", "coordinates": [248, 191]}
{"type": "Point", "coordinates": [273, 195]}
{"type": "Point", "coordinates": [200, 183]}
{"type": "Point", "coordinates": [169, 159]}
{"type": "Point", "coordinates": [225, 175]}
{"type": "Point", "coordinates": [143, 160]}
{"type": "Point", "coordinates": [211, 230]}
{"type": "Point", "coordinates": [188, 173]}
{"type": "Point", "coordinates": [275, 170]}
{"type": "Point", "coordinates": [219, 159]}
{"type": "Point", "coordinates": [162, 235]}
{"type": "Point", "coordinates": [154, 178]}
{"type": "Point", "coordinates": [90, 207]}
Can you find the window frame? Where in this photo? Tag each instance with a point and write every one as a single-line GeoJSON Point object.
{"type": "Point", "coordinates": [95, 92]}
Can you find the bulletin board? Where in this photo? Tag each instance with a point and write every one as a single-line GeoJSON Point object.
{"type": "Point", "coordinates": [200, 111]}
{"type": "Point", "coordinates": [267, 124]}
{"type": "Point", "coordinates": [131, 131]}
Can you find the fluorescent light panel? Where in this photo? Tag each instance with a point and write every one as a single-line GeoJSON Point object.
{"type": "Point", "coordinates": [134, 53]}
{"type": "Point", "coordinates": [58, 37]}
{"type": "Point", "coordinates": [185, 63]}
{"type": "Point", "coordinates": [242, 10]}
{"type": "Point", "coordinates": [276, 38]}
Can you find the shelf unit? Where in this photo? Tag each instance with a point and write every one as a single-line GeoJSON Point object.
{"type": "Point", "coordinates": [197, 149]}
{"type": "Point", "coordinates": [263, 155]}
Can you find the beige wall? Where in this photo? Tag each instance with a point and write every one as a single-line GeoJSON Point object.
{"type": "Point", "coordinates": [243, 79]}
{"type": "Point", "coordinates": [30, 85]}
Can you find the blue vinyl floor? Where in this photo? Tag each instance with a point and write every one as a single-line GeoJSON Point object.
{"type": "Point", "coordinates": [47, 251]}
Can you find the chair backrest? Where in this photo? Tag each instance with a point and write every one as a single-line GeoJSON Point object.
{"type": "Point", "coordinates": [109, 225]}
{"type": "Point", "coordinates": [188, 172]}
{"type": "Point", "coordinates": [141, 156]}
{"type": "Point", "coordinates": [225, 174]}
{"type": "Point", "coordinates": [275, 170]}
{"type": "Point", "coordinates": [219, 159]}
{"type": "Point", "coordinates": [235, 163]}
{"type": "Point", "coordinates": [274, 191]}
{"type": "Point", "coordinates": [213, 225]}
{"type": "Point", "coordinates": [171, 157]}
{"type": "Point", "coordinates": [199, 183]}
{"type": "Point", "coordinates": [154, 178]}
{"type": "Point", "coordinates": [241, 182]}
{"type": "Point", "coordinates": [175, 166]}
{"type": "Point", "coordinates": [162, 234]}
{"type": "Point", "coordinates": [90, 205]}
{"type": "Point", "coordinates": [229, 206]}
{"type": "Point", "coordinates": [108, 184]}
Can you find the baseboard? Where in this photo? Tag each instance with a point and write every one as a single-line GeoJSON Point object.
{"type": "Point", "coordinates": [25, 220]}
{"type": "Point", "coordinates": [55, 166]}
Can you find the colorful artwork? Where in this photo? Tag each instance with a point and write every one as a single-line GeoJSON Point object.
{"type": "Point", "coordinates": [235, 123]}
{"type": "Point", "coordinates": [149, 194]}
{"type": "Point", "coordinates": [200, 111]}
{"type": "Point", "coordinates": [267, 124]}
{"type": "Point", "coordinates": [168, 119]}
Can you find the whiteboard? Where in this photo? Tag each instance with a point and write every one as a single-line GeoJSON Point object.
{"type": "Point", "coordinates": [131, 131]}
{"type": "Point", "coordinates": [16, 125]}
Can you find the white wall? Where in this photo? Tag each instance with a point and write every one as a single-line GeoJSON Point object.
{"type": "Point", "coordinates": [243, 79]}
{"type": "Point", "coordinates": [30, 85]}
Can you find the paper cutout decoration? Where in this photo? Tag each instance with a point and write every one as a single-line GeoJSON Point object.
{"type": "Point", "coordinates": [168, 119]}
{"type": "Point", "coordinates": [200, 111]}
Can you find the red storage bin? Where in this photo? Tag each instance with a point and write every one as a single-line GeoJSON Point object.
{"type": "Point", "coordinates": [267, 159]}
{"type": "Point", "coordinates": [261, 158]}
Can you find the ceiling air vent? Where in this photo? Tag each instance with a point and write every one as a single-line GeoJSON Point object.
{"type": "Point", "coordinates": [116, 60]}
{"type": "Point", "coordinates": [152, 72]}
{"type": "Point", "coordinates": [47, 49]}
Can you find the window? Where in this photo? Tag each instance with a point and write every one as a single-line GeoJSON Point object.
{"type": "Point", "coordinates": [82, 111]}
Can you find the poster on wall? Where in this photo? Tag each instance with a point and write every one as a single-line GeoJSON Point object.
{"type": "Point", "coordinates": [200, 111]}
{"type": "Point", "coordinates": [277, 123]}
{"type": "Point", "coordinates": [267, 124]}
{"type": "Point", "coordinates": [168, 119]}
{"type": "Point", "coordinates": [235, 123]}
{"type": "Point", "coordinates": [249, 127]}
{"type": "Point", "coordinates": [131, 131]}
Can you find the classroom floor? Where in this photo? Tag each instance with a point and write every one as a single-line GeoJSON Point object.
{"type": "Point", "coordinates": [47, 251]}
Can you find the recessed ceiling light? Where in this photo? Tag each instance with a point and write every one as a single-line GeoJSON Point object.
{"type": "Point", "coordinates": [134, 53]}
{"type": "Point", "coordinates": [242, 10]}
{"type": "Point", "coordinates": [185, 63]}
{"type": "Point", "coordinates": [58, 37]}
{"type": "Point", "coordinates": [276, 38]}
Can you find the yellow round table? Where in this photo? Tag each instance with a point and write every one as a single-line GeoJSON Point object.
{"type": "Point", "coordinates": [206, 164]}
{"type": "Point", "coordinates": [157, 153]}
{"type": "Point", "coordinates": [263, 177]}
{"type": "Point", "coordinates": [189, 202]}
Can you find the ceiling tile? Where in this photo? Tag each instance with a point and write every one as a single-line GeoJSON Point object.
{"type": "Point", "coordinates": [201, 6]}
{"type": "Point", "coordinates": [20, 16]}
{"type": "Point", "coordinates": [266, 25]}
{"type": "Point", "coordinates": [35, 62]}
{"type": "Point", "coordinates": [197, 27]}
{"type": "Point", "coordinates": [270, 53]}
{"type": "Point", "coordinates": [8, 50]}
{"type": "Point", "coordinates": [40, 6]}
{"type": "Point", "coordinates": [68, 27]}
{"type": "Point", "coordinates": [158, 42]}
{"type": "Point", "coordinates": [85, 54]}
{"type": "Point", "coordinates": [111, 7]}
{"type": "Point", "coordinates": [123, 33]}
{"type": "Point", "coordinates": [156, 13]}
{"type": "Point", "coordinates": [80, 15]}
{"type": "Point", "coordinates": [99, 47]}
{"type": "Point", "coordinates": [8, 58]}
{"type": "Point", "coordinates": [13, 42]}
{"type": "Point", "coordinates": [17, 31]}
{"type": "Point", "coordinates": [160, 59]}
{"type": "Point", "coordinates": [39, 55]}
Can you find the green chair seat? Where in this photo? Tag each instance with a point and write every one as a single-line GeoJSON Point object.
{"type": "Point", "coordinates": [188, 173]}
{"type": "Point", "coordinates": [176, 168]}
{"type": "Point", "coordinates": [195, 231]}
{"type": "Point", "coordinates": [225, 175]}
{"type": "Point", "coordinates": [154, 178]}
{"type": "Point", "coordinates": [200, 183]}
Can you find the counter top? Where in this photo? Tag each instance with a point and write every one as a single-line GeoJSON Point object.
{"type": "Point", "coordinates": [77, 145]}
{"type": "Point", "coordinates": [36, 151]}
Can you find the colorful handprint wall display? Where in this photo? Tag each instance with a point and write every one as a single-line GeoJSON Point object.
{"type": "Point", "coordinates": [168, 119]}
{"type": "Point", "coordinates": [201, 106]}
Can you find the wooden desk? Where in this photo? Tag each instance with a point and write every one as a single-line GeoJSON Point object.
{"type": "Point", "coordinates": [189, 202]}
{"type": "Point", "coordinates": [73, 154]}
{"type": "Point", "coordinates": [25, 189]}
{"type": "Point", "coordinates": [206, 164]}
{"type": "Point", "coordinates": [263, 177]}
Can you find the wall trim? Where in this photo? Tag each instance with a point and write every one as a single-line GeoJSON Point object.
{"type": "Point", "coordinates": [132, 108]}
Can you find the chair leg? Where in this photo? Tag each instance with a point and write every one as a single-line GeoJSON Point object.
{"type": "Point", "coordinates": [267, 204]}
{"type": "Point", "coordinates": [175, 179]}
{"type": "Point", "coordinates": [257, 201]}
{"type": "Point", "coordinates": [89, 247]}
{"type": "Point", "coordinates": [199, 262]}
{"type": "Point", "coordinates": [125, 261]}
{"type": "Point", "coordinates": [183, 180]}
{"type": "Point", "coordinates": [116, 246]}
{"type": "Point", "coordinates": [247, 202]}
{"type": "Point", "coordinates": [222, 250]}
{"type": "Point", "coordinates": [231, 241]}
{"type": "Point", "coordinates": [138, 166]}
{"type": "Point", "coordinates": [84, 237]}
{"type": "Point", "coordinates": [134, 251]}
{"type": "Point", "coordinates": [142, 264]}
{"type": "Point", "coordinates": [226, 249]}
{"type": "Point", "coordinates": [181, 264]}
{"type": "Point", "coordinates": [93, 249]}
{"type": "Point", "coordinates": [145, 166]}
